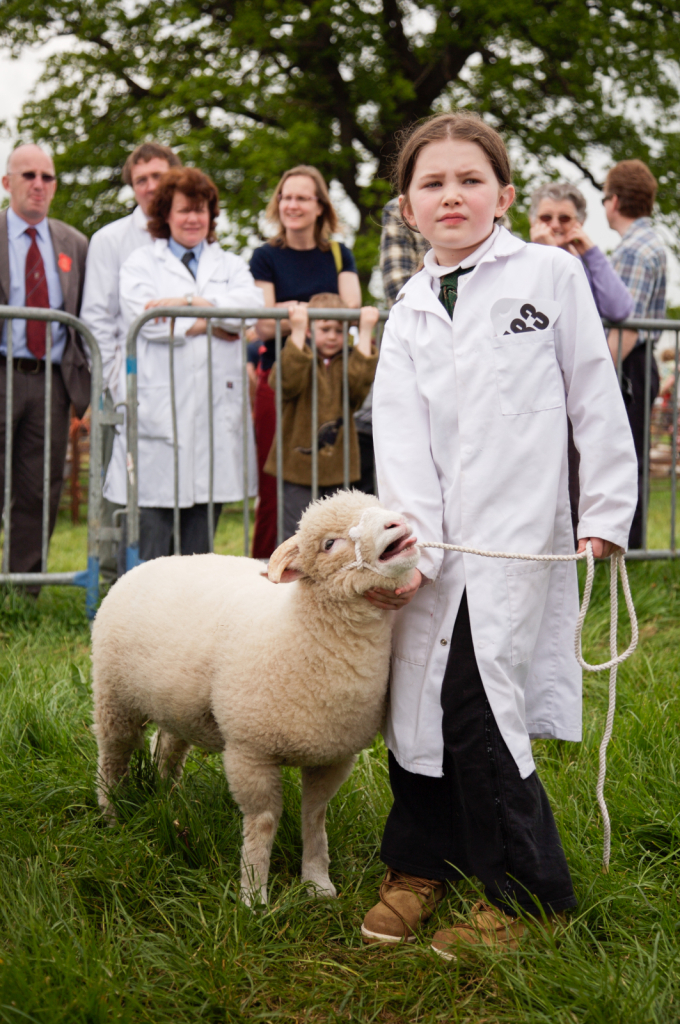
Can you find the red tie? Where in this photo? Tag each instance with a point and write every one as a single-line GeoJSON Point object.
{"type": "Point", "coordinates": [37, 294]}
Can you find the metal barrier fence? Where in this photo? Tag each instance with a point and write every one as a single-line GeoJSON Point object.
{"type": "Point", "coordinates": [89, 577]}
{"type": "Point", "coordinates": [650, 330]}
{"type": "Point", "coordinates": [660, 430]}
{"type": "Point", "coordinates": [172, 313]}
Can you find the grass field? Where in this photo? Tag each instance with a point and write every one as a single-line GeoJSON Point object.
{"type": "Point", "coordinates": [141, 923]}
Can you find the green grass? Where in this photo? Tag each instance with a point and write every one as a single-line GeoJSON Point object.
{"type": "Point", "coordinates": [141, 922]}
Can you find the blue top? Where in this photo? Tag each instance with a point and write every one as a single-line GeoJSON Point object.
{"type": "Point", "coordinates": [296, 274]}
{"type": "Point", "coordinates": [178, 250]}
{"type": "Point", "coordinates": [19, 244]}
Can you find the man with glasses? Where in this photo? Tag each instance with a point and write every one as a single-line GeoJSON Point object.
{"type": "Point", "coordinates": [42, 263]}
{"type": "Point", "coordinates": [109, 248]}
{"type": "Point", "coordinates": [640, 259]}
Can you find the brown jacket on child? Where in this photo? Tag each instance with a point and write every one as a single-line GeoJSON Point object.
{"type": "Point", "coordinates": [296, 391]}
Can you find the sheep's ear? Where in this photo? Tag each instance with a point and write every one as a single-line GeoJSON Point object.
{"type": "Point", "coordinates": [282, 567]}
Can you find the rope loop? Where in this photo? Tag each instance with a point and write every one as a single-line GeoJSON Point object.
{"type": "Point", "coordinates": [617, 567]}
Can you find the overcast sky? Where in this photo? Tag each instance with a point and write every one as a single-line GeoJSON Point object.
{"type": "Point", "coordinates": [18, 78]}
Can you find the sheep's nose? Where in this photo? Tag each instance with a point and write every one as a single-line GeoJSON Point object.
{"type": "Point", "coordinates": [392, 526]}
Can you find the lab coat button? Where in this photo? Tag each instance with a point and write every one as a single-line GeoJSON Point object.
{"type": "Point", "coordinates": [443, 642]}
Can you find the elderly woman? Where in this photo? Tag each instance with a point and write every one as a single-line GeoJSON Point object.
{"type": "Point", "coordinates": [557, 213]}
{"type": "Point", "coordinates": [298, 262]}
{"type": "Point", "coordinates": [185, 266]}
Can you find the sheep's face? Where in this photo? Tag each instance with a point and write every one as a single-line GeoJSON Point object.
{"type": "Point", "coordinates": [334, 531]}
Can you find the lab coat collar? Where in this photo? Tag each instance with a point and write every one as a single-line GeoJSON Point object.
{"type": "Point", "coordinates": [209, 258]}
{"type": "Point", "coordinates": [140, 219]}
{"type": "Point", "coordinates": [417, 293]}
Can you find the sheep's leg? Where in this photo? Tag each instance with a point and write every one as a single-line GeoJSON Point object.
{"type": "Point", "coordinates": [118, 734]}
{"type": "Point", "coordinates": [319, 785]}
{"type": "Point", "coordinates": [256, 787]}
{"type": "Point", "coordinates": [169, 752]}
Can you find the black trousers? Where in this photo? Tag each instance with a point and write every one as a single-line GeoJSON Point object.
{"type": "Point", "coordinates": [28, 440]}
{"type": "Point", "coordinates": [156, 533]}
{"type": "Point", "coordinates": [633, 382]}
{"type": "Point", "coordinates": [481, 818]}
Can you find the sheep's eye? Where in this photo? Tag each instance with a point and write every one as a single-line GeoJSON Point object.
{"type": "Point", "coordinates": [328, 544]}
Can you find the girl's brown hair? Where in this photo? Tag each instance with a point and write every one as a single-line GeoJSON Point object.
{"type": "Point", "coordinates": [461, 124]}
{"type": "Point", "coordinates": [327, 221]}
{"type": "Point", "coordinates": [192, 183]}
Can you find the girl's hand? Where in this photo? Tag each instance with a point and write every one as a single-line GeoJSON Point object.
{"type": "Point", "coordinates": [393, 600]}
{"type": "Point", "coordinates": [601, 548]}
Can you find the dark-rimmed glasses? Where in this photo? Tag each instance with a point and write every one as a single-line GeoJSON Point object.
{"type": "Point", "coordinates": [47, 179]}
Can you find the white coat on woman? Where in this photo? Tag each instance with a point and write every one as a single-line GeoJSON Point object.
{"type": "Point", "coordinates": [470, 433]}
{"type": "Point", "coordinates": [155, 272]}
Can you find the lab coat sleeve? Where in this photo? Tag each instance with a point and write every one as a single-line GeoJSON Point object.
{"type": "Point", "coordinates": [608, 470]}
{"type": "Point", "coordinates": [100, 309]}
{"type": "Point", "coordinates": [408, 481]}
{"type": "Point", "coordinates": [237, 289]}
{"type": "Point", "coordinates": [139, 283]}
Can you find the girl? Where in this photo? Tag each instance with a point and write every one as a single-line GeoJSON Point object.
{"type": "Point", "coordinates": [486, 352]}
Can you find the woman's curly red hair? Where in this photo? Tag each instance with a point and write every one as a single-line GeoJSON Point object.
{"type": "Point", "coordinates": [199, 189]}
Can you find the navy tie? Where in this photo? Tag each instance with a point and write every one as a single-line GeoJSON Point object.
{"type": "Point", "coordinates": [186, 260]}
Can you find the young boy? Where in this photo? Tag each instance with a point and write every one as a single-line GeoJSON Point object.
{"type": "Point", "coordinates": [296, 387]}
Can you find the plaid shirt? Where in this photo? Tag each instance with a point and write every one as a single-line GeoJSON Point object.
{"type": "Point", "coordinates": [640, 262]}
{"type": "Point", "coordinates": [401, 251]}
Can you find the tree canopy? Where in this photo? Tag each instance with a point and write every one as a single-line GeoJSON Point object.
{"type": "Point", "coordinates": [246, 88]}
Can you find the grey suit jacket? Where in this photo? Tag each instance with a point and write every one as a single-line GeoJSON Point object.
{"type": "Point", "coordinates": [70, 249]}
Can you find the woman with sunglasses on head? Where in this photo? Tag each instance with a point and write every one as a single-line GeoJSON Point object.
{"type": "Point", "coordinates": [298, 262]}
{"type": "Point", "coordinates": [557, 213]}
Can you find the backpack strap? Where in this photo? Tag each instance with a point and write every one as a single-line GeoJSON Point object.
{"type": "Point", "coordinates": [337, 255]}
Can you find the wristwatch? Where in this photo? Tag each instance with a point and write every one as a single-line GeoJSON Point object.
{"type": "Point", "coordinates": [190, 300]}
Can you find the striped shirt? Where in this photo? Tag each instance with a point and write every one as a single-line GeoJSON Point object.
{"type": "Point", "coordinates": [640, 262]}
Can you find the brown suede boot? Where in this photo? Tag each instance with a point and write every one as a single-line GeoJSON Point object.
{"type": "Point", "coordinates": [487, 926]}
{"type": "Point", "coordinates": [405, 901]}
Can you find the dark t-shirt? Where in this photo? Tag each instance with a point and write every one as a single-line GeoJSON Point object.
{"type": "Point", "coordinates": [296, 274]}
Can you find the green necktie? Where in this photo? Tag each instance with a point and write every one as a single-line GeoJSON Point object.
{"type": "Point", "coordinates": [449, 289]}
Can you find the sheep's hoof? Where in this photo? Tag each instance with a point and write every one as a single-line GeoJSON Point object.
{"type": "Point", "coordinates": [321, 888]}
{"type": "Point", "coordinates": [256, 899]}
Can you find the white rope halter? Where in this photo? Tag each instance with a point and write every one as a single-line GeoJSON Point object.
{"type": "Point", "coordinates": [617, 567]}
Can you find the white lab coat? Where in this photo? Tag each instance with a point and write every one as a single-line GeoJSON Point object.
{"type": "Point", "coordinates": [470, 434]}
{"type": "Point", "coordinates": [224, 279]}
{"type": "Point", "coordinates": [108, 250]}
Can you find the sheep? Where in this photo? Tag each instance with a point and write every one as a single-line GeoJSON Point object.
{"type": "Point", "coordinates": [214, 654]}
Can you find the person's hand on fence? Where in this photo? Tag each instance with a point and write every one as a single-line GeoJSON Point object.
{"type": "Point", "coordinates": [393, 600]}
{"type": "Point", "coordinates": [181, 300]}
{"type": "Point", "coordinates": [601, 548]}
{"type": "Point", "coordinates": [299, 323]}
{"type": "Point", "coordinates": [368, 318]}
{"type": "Point", "coordinates": [576, 241]}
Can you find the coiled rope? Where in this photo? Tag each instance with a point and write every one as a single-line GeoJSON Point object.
{"type": "Point", "coordinates": [617, 568]}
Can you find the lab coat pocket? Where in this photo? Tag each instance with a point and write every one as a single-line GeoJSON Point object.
{"type": "Point", "coordinates": [527, 373]}
{"type": "Point", "coordinates": [527, 594]}
{"type": "Point", "coordinates": [413, 627]}
{"type": "Point", "coordinates": [231, 404]}
{"type": "Point", "coordinates": [154, 413]}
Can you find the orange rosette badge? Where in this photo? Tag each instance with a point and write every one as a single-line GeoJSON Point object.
{"type": "Point", "coordinates": [64, 262]}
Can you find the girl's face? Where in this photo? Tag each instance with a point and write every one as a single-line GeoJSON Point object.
{"type": "Point", "coordinates": [454, 197]}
